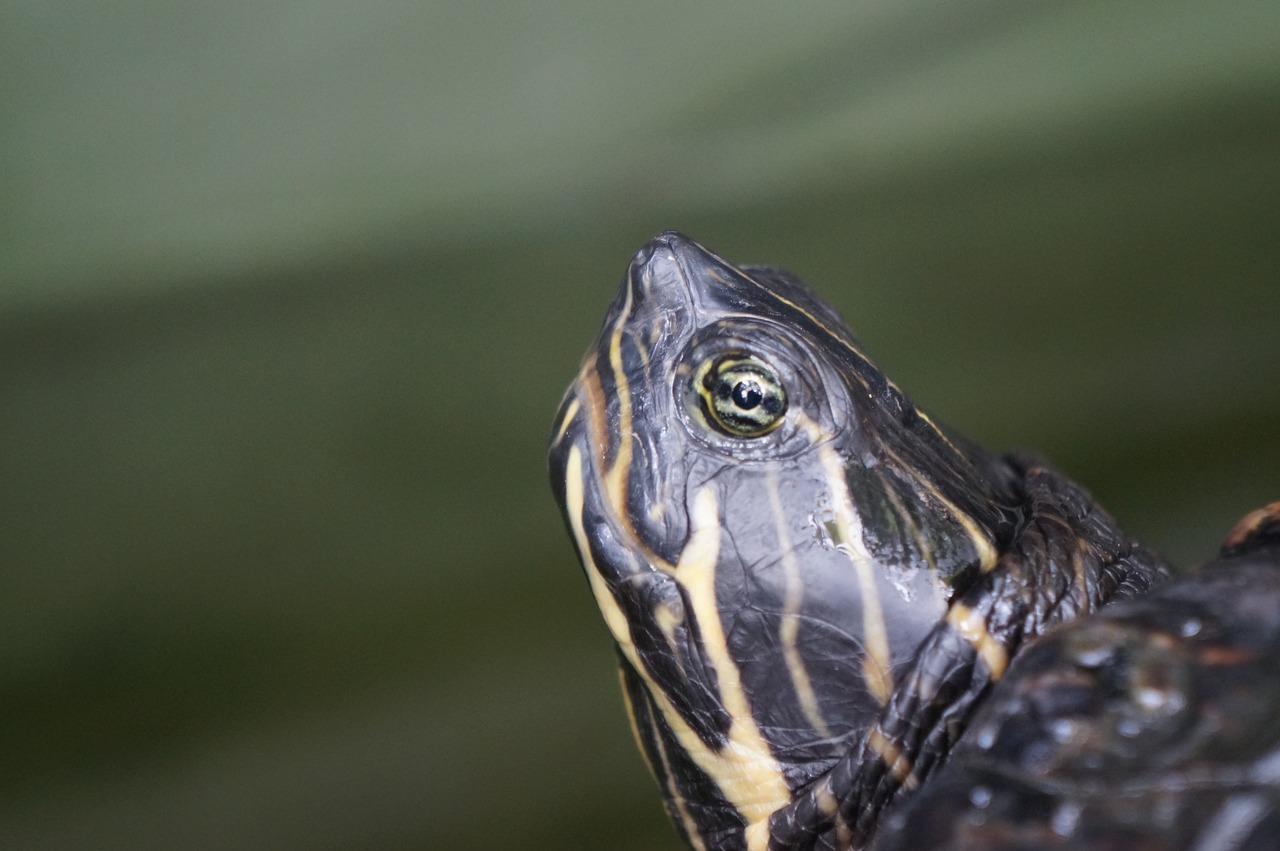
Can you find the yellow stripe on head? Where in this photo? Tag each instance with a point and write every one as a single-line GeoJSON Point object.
{"type": "Point", "coordinates": [744, 770]}
{"type": "Point", "coordinates": [789, 629]}
{"type": "Point", "coordinates": [875, 636]}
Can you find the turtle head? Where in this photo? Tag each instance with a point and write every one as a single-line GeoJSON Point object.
{"type": "Point", "coordinates": [768, 525]}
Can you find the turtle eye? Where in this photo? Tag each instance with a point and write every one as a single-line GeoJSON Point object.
{"type": "Point", "coordinates": [741, 395]}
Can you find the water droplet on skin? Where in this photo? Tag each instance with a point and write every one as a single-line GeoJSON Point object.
{"type": "Point", "coordinates": [1153, 700]}
{"type": "Point", "coordinates": [980, 797]}
{"type": "Point", "coordinates": [986, 738]}
{"type": "Point", "coordinates": [1094, 656]}
{"type": "Point", "coordinates": [1190, 627]}
{"type": "Point", "coordinates": [902, 577]}
{"type": "Point", "coordinates": [823, 523]}
{"type": "Point", "coordinates": [1128, 727]}
{"type": "Point", "coordinates": [1062, 730]}
{"type": "Point", "coordinates": [1065, 818]}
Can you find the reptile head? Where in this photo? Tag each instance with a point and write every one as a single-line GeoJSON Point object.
{"type": "Point", "coordinates": [769, 527]}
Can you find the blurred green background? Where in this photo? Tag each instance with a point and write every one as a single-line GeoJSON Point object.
{"type": "Point", "coordinates": [290, 291]}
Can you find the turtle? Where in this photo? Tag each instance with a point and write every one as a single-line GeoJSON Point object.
{"type": "Point", "coordinates": [842, 625]}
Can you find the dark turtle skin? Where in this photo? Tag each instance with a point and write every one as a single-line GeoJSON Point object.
{"type": "Point", "coordinates": [1152, 725]}
{"type": "Point", "coordinates": [813, 588]}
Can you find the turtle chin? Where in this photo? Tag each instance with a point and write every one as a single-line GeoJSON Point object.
{"type": "Point", "coordinates": [650, 613]}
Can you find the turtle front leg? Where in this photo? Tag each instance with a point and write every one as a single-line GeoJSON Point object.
{"type": "Point", "coordinates": [1153, 725]}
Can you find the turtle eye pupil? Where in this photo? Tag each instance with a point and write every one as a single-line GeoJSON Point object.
{"type": "Point", "coordinates": [747, 395]}
{"type": "Point", "coordinates": [740, 395]}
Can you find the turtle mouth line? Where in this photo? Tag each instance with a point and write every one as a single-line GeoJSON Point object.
{"type": "Point", "coordinates": [591, 481]}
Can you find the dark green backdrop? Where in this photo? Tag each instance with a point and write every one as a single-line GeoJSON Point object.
{"type": "Point", "coordinates": [289, 294]}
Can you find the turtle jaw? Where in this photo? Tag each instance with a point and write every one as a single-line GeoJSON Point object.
{"type": "Point", "coordinates": [621, 464]}
{"type": "Point", "coordinates": [621, 410]}
{"type": "Point", "coordinates": [615, 464]}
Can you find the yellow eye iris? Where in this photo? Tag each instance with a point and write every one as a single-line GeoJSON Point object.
{"type": "Point", "coordinates": [741, 395]}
